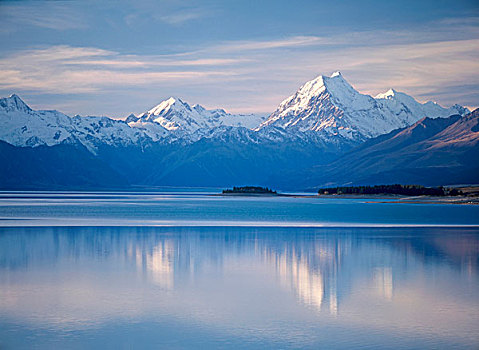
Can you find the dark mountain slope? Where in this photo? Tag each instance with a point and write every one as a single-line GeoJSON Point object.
{"type": "Point", "coordinates": [430, 152]}
{"type": "Point", "coordinates": [57, 167]}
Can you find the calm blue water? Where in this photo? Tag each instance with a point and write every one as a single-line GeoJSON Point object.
{"type": "Point", "coordinates": [200, 209]}
{"type": "Point", "coordinates": [93, 271]}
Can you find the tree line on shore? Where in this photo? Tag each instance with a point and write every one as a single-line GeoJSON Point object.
{"type": "Point", "coordinates": [250, 189]}
{"type": "Point", "coordinates": [408, 190]}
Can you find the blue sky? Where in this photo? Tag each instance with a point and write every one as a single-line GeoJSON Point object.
{"type": "Point", "coordinates": [117, 57]}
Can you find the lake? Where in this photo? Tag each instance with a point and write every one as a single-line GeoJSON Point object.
{"type": "Point", "coordinates": [192, 270]}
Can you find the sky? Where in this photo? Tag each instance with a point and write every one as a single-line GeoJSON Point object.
{"type": "Point", "coordinates": [119, 57]}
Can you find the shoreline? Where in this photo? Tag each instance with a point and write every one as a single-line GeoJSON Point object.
{"type": "Point", "coordinates": [461, 200]}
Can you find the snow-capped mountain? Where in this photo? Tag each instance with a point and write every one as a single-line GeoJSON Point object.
{"type": "Point", "coordinates": [331, 107]}
{"type": "Point", "coordinates": [326, 112]}
{"type": "Point", "coordinates": [175, 144]}
{"type": "Point", "coordinates": [176, 115]}
{"type": "Point", "coordinates": [170, 121]}
{"type": "Point", "coordinates": [431, 151]}
{"type": "Point", "coordinates": [23, 126]}
{"type": "Point", "coordinates": [408, 109]}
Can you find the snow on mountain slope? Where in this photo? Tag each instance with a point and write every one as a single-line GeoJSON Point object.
{"type": "Point", "coordinates": [432, 151]}
{"type": "Point", "coordinates": [176, 115]}
{"type": "Point", "coordinates": [22, 126]}
{"type": "Point", "coordinates": [331, 107]}
{"type": "Point", "coordinates": [409, 110]}
{"type": "Point", "coordinates": [326, 111]}
{"type": "Point", "coordinates": [171, 120]}
{"type": "Point", "coordinates": [93, 131]}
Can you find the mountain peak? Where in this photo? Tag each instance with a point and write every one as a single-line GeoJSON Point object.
{"type": "Point", "coordinates": [174, 99]}
{"type": "Point", "coordinates": [338, 88]}
{"type": "Point", "coordinates": [334, 84]}
{"type": "Point", "coordinates": [397, 101]}
{"type": "Point", "coordinates": [199, 108]}
{"type": "Point", "coordinates": [14, 102]}
{"type": "Point", "coordinates": [331, 106]}
{"type": "Point", "coordinates": [337, 84]}
{"type": "Point", "coordinates": [166, 105]}
{"type": "Point", "coordinates": [323, 79]}
{"type": "Point", "coordinates": [131, 118]}
{"type": "Point", "coordinates": [461, 110]}
{"type": "Point", "coordinates": [318, 103]}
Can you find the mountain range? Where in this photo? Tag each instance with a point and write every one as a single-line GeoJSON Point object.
{"type": "Point", "coordinates": [430, 152]}
{"type": "Point", "coordinates": [326, 132]}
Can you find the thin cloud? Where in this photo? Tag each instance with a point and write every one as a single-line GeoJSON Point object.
{"type": "Point", "coordinates": [296, 41]}
{"type": "Point", "coordinates": [168, 15]}
{"type": "Point", "coordinates": [262, 72]}
{"type": "Point", "coordinates": [51, 15]}
{"type": "Point", "coordinates": [182, 16]}
{"type": "Point", "coordinates": [417, 68]}
{"type": "Point", "coordinates": [152, 61]}
{"type": "Point", "coordinates": [90, 81]}
{"type": "Point", "coordinates": [60, 53]}
{"type": "Point", "coordinates": [63, 69]}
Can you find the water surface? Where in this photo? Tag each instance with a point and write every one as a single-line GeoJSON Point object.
{"type": "Point", "coordinates": [235, 285]}
{"type": "Point", "coordinates": [203, 209]}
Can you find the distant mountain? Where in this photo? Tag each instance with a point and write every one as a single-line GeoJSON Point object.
{"type": "Point", "coordinates": [25, 127]}
{"type": "Point", "coordinates": [229, 156]}
{"type": "Point", "coordinates": [333, 109]}
{"type": "Point", "coordinates": [176, 115]}
{"type": "Point", "coordinates": [326, 111]}
{"type": "Point", "coordinates": [177, 144]}
{"type": "Point", "coordinates": [58, 167]}
{"type": "Point", "coordinates": [430, 152]}
{"type": "Point", "coordinates": [50, 150]}
{"type": "Point", "coordinates": [170, 120]}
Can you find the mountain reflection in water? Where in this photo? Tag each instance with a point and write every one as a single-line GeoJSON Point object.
{"type": "Point", "coordinates": [277, 286]}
